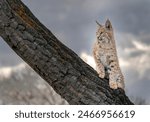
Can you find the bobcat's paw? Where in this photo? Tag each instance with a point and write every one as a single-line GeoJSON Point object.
{"type": "Point", "coordinates": [120, 85]}
{"type": "Point", "coordinates": [113, 84]}
{"type": "Point", "coordinates": [101, 74]}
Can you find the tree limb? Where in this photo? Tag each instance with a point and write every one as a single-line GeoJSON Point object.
{"type": "Point", "coordinates": [70, 77]}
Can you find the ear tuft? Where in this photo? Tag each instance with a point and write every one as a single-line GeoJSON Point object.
{"type": "Point", "coordinates": [98, 24]}
{"type": "Point", "coordinates": [108, 24]}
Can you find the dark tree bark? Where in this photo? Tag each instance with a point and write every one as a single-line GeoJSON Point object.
{"type": "Point", "coordinates": [70, 77]}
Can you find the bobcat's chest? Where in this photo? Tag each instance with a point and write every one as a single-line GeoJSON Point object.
{"type": "Point", "coordinates": [103, 56]}
{"type": "Point", "coordinates": [103, 59]}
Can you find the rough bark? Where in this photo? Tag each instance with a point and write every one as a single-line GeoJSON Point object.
{"type": "Point", "coordinates": [70, 77]}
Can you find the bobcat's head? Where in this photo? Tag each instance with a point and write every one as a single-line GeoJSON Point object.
{"type": "Point", "coordinates": [104, 33]}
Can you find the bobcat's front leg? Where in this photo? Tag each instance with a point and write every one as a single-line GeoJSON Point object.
{"type": "Point", "coordinates": [100, 69]}
{"type": "Point", "coordinates": [99, 66]}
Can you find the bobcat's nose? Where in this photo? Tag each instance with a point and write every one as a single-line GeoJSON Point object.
{"type": "Point", "coordinates": [103, 38]}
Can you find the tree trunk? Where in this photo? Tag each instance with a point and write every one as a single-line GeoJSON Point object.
{"type": "Point", "coordinates": [69, 76]}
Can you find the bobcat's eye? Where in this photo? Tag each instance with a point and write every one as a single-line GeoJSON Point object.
{"type": "Point", "coordinates": [101, 33]}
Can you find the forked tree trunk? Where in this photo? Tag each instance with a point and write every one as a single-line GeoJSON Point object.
{"type": "Point", "coordinates": [70, 77]}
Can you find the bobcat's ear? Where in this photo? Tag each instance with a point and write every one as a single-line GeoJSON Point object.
{"type": "Point", "coordinates": [108, 24]}
{"type": "Point", "coordinates": [98, 24]}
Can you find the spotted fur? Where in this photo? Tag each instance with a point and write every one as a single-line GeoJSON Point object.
{"type": "Point", "coordinates": [105, 56]}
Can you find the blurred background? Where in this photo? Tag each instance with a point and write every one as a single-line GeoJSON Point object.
{"type": "Point", "coordinates": [73, 23]}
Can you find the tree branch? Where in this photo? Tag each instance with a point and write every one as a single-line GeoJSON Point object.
{"type": "Point", "coordinates": [70, 77]}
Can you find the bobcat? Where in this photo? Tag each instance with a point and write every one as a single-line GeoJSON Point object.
{"type": "Point", "coordinates": [105, 56]}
